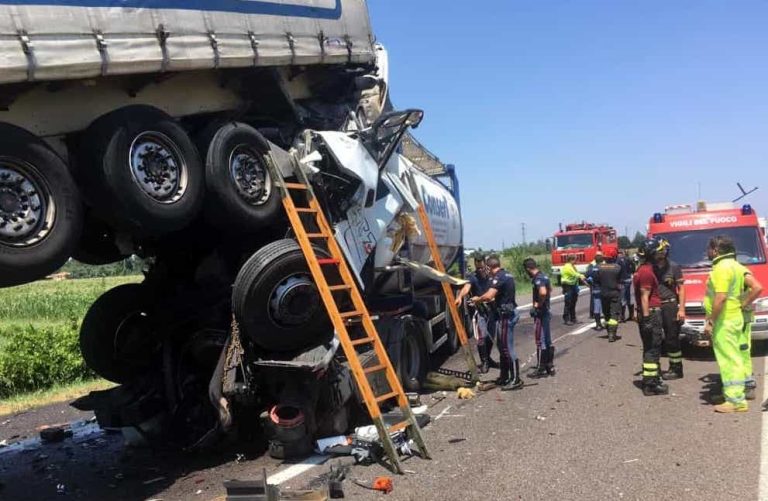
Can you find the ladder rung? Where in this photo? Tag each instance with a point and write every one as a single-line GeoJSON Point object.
{"type": "Point", "coordinates": [328, 260]}
{"type": "Point", "coordinates": [386, 396]}
{"type": "Point", "coordinates": [351, 314]}
{"type": "Point", "coordinates": [375, 368]}
{"type": "Point", "coordinates": [305, 209]}
{"type": "Point", "coordinates": [317, 235]}
{"type": "Point", "coordinates": [335, 288]}
{"type": "Point", "coordinates": [399, 426]}
{"type": "Point", "coordinates": [295, 186]}
{"type": "Point", "coordinates": [364, 340]}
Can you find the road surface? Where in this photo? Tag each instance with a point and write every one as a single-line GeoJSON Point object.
{"type": "Point", "coordinates": [587, 433]}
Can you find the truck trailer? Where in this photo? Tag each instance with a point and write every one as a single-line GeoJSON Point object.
{"type": "Point", "coordinates": [149, 129]}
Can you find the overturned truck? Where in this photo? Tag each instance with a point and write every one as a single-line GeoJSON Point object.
{"type": "Point", "coordinates": [148, 128]}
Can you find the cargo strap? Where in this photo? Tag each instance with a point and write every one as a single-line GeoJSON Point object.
{"type": "Point", "coordinates": [320, 236]}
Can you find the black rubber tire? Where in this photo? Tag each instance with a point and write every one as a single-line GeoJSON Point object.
{"type": "Point", "coordinates": [254, 284]}
{"type": "Point", "coordinates": [100, 326]}
{"type": "Point", "coordinates": [414, 360]}
{"type": "Point", "coordinates": [97, 244]}
{"type": "Point", "coordinates": [226, 206]}
{"type": "Point", "coordinates": [110, 186]}
{"type": "Point", "coordinates": [452, 344]}
{"type": "Point", "coordinates": [25, 263]}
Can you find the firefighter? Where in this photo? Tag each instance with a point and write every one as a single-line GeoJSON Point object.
{"type": "Point", "coordinates": [595, 303]}
{"type": "Point", "coordinates": [628, 269]}
{"type": "Point", "coordinates": [570, 279]}
{"type": "Point", "coordinates": [542, 293]}
{"type": "Point", "coordinates": [672, 293]}
{"type": "Point", "coordinates": [479, 280]}
{"type": "Point", "coordinates": [609, 278]}
{"type": "Point", "coordinates": [649, 319]}
{"type": "Point", "coordinates": [725, 305]}
{"type": "Point", "coordinates": [501, 296]}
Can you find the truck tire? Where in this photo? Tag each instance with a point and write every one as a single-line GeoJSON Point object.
{"type": "Point", "coordinates": [141, 171]}
{"type": "Point", "coordinates": [452, 344]}
{"type": "Point", "coordinates": [275, 300]}
{"type": "Point", "coordinates": [115, 338]}
{"type": "Point", "coordinates": [241, 194]}
{"type": "Point", "coordinates": [40, 209]}
{"type": "Point", "coordinates": [414, 359]}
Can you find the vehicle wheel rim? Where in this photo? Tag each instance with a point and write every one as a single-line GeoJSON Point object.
{"type": "Point", "coordinates": [294, 301]}
{"type": "Point", "coordinates": [133, 341]}
{"type": "Point", "coordinates": [27, 208]}
{"type": "Point", "coordinates": [410, 358]}
{"type": "Point", "coordinates": [250, 174]}
{"type": "Point", "coordinates": [158, 167]}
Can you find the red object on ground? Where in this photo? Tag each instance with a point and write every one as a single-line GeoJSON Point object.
{"type": "Point", "coordinates": [383, 484]}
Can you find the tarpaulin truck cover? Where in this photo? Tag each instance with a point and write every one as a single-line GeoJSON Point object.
{"type": "Point", "coordinates": [68, 39]}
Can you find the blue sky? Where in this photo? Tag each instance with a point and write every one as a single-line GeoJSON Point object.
{"type": "Point", "coordinates": [557, 111]}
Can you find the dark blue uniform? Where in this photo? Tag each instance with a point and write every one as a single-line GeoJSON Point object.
{"type": "Point", "coordinates": [479, 283]}
{"type": "Point", "coordinates": [504, 314]}
{"type": "Point", "coordinates": [545, 352]}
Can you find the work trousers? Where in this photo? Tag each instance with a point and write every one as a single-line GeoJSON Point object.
{"type": "Point", "coordinates": [652, 335]}
{"type": "Point", "coordinates": [731, 344]}
{"type": "Point", "coordinates": [542, 330]}
{"type": "Point", "coordinates": [611, 311]}
{"type": "Point", "coordinates": [571, 293]}
{"type": "Point", "coordinates": [503, 333]}
{"type": "Point", "coordinates": [746, 354]}
{"type": "Point", "coordinates": [671, 332]}
{"type": "Point", "coordinates": [626, 293]}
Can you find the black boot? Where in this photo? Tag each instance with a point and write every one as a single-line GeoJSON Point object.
{"type": "Point", "coordinates": [623, 314]}
{"type": "Point", "coordinates": [542, 361]}
{"type": "Point", "coordinates": [514, 383]}
{"type": "Point", "coordinates": [632, 312]}
{"type": "Point", "coordinates": [654, 386]}
{"type": "Point", "coordinates": [482, 350]}
{"type": "Point", "coordinates": [675, 371]}
{"type": "Point", "coordinates": [611, 333]}
{"type": "Point", "coordinates": [503, 372]}
{"type": "Point", "coordinates": [551, 361]}
{"type": "Point", "coordinates": [598, 323]}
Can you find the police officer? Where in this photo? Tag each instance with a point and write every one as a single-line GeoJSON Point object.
{"type": "Point", "coordinates": [609, 278]}
{"type": "Point", "coordinates": [627, 268]}
{"type": "Point", "coordinates": [542, 293]}
{"type": "Point", "coordinates": [725, 305]}
{"type": "Point", "coordinates": [672, 293]}
{"type": "Point", "coordinates": [504, 316]}
{"type": "Point", "coordinates": [649, 319]}
{"type": "Point", "coordinates": [479, 280]}
{"type": "Point", "coordinates": [595, 303]}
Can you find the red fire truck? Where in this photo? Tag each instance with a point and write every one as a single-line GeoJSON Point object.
{"type": "Point", "coordinates": [689, 229]}
{"type": "Point", "coordinates": [582, 240]}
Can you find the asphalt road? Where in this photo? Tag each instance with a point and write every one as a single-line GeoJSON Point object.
{"type": "Point", "coordinates": [587, 433]}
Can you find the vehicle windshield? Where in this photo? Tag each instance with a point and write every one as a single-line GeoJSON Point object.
{"type": "Point", "coordinates": [576, 241]}
{"type": "Point", "coordinates": [689, 248]}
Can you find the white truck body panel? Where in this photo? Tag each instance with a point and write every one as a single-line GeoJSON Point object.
{"type": "Point", "coordinates": [71, 39]}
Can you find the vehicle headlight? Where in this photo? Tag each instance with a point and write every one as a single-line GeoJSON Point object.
{"type": "Point", "coordinates": [761, 305]}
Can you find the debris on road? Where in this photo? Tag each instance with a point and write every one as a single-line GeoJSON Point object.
{"type": "Point", "coordinates": [323, 444]}
{"type": "Point", "coordinates": [631, 461]}
{"type": "Point", "coordinates": [55, 433]}
{"type": "Point", "coordinates": [541, 418]}
{"type": "Point", "coordinates": [465, 393]}
{"type": "Point", "coordinates": [441, 382]}
{"type": "Point", "coordinates": [381, 484]}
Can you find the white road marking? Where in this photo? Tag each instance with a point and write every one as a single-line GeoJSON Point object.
{"type": "Point", "coordinates": [442, 413]}
{"type": "Point", "coordinates": [763, 484]}
{"type": "Point", "coordinates": [580, 330]}
{"type": "Point", "coordinates": [554, 299]}
{"type": "Point", "coordinates": [296, 469]}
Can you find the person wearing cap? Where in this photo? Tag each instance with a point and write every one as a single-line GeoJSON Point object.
{"type": "Point", "coordinates": [477, 285]}
{"type": "Point", "coordinates": [649, 319]}
{"type": "Point", "coordinates": [595, 303]}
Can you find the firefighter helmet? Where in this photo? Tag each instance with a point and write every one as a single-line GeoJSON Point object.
{"type": "Point", "coordinates": [611, 253]}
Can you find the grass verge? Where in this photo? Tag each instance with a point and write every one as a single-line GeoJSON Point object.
{"type": "Point", "coordinates": [59, 393]}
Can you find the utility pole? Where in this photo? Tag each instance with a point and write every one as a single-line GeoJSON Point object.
{"type": "Point", "coordinates": [523, 226]}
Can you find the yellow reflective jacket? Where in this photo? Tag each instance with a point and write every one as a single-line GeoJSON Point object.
{"type": "Point", "coordinates": [569, 275]}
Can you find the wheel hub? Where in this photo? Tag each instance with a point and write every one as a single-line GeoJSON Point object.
{"type": "Point", "coordinates": [294, 301]}
{"type": "Point", "coordinates": [250, 175]}
{"type": "Point", "coordinates": [158, 167]}
{"type": "Point", "coordinates": [25, 208]}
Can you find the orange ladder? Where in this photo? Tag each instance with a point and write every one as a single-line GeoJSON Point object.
{"type": "Point", "coordinates": [357, 315]}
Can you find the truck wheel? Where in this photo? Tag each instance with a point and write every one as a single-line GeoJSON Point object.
{"type": "Point", "coordinates": [141, 171]}
{"type": "Point", "coordinates": [241, 193]}
{"type": "Point", "coordinates": [40, 208]}
{"type": "Point", "coordinates": [451, 344]}
{"type": "Point", "coordinates": [276, 302]}
{"type": "Point", "coordinates": [116, 338]}
{"type": "Point", "coordinates": [414, 359]}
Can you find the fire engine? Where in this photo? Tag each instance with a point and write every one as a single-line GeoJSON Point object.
{"type": "Point", "coordinates": [688, 231]}
{"type": "Point", "coordinates": [582, 240]}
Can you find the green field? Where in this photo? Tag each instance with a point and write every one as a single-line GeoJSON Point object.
{"type": "Point", "coordinates": [39, 332]}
